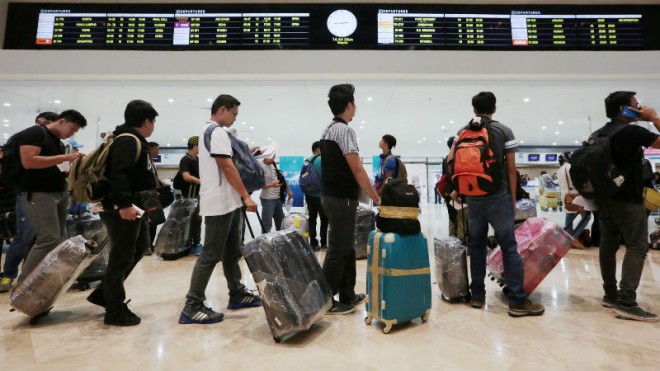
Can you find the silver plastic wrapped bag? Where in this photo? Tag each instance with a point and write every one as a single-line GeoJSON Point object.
{"type": "Point", "coordinates": [451, 269]}
{"type": "Point", "coordinates": [293, 289]}
{"type": "Point", "coordinates": [298, 222]}
{"type": "Point", "coordinates": [525, 209]}
{"type": "Point", "coordinates": [365, 222]}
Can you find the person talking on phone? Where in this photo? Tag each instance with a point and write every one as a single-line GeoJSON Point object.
{"type": "Point", "coordinates": [624, 214]}
{"type": "Point", "coordinates": [131, 174]}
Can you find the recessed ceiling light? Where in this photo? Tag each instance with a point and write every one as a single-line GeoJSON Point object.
{"type": "Point", "coordinates": [184, 139]}
{"type": "Point", "coordinates": [522, 141]}
{"type": "Point", "coordinates": [451, 122]}
{"type": "Point", "coordinates": [209, 100]}
{"type": "Point", "coordinates": [269, 139]}
{"type": "Point", "coordinates": [6, 125]}
{"type": "Point", "coordinates": [7, 104]}
{"type": "Point", "coordinates": [5, 120]}
{"type": "Point", "coordinates": [443, 128]}
{"type": "Point", "coordinates": [247, 139]}
{"type": "Point", "coordinates": [370, 99]}
{"type": "Point", "coordinates": [560, 122]}
{"type": "Point", "coordinates": [253, 142]}
{"type": "Point", "coordinates": [171, 100]}
{"type": "Point", "coordinates": [419, 141]}
{"type": "Point", "coordinates": [446, 139]}
{"type": "Point", "coordinates": [251, 127]}
{"type": "Point", "coordinates": [439, 141]}
{"type": "Point", "coordinates": [544, 127]}
{"type": "Point", "coordinates": [554, 144]}
{"type": "Point", "coordinates": [556, 133]}
{"type": "Point", "coordinates": [169, 145]}
{"type": "Point", "coordinates": [364, 122]}
{"type": "Point", "coordinates": [57, 101]}
{"type": "Point", "coordinates": [577, 142]}
{"type": "Point", "coordinates": [424, 138]}
{"type": "Point", "coordinates": [243, 122]}
{"type": "Point", "coordinates": [361, 127]}
{"type": "Point", "coordinates": [525, 99]}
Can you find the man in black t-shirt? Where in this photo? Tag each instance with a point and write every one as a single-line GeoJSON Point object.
{"type": "Point", "coordinates": [42, 185]}
{"type": "Point", "coordinates": [624, 213]}
{"type": "Point", "coordinates": [189, 172]}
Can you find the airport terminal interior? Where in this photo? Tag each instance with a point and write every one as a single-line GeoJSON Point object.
{"type": "Point", "coordinates": [415, 66]}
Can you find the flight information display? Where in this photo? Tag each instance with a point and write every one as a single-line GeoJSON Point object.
{"type": "Point", "coordinates": [331, 26]}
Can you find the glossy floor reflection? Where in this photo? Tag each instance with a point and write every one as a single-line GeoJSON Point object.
{"type": "Point", "coordinates": [575, 333]}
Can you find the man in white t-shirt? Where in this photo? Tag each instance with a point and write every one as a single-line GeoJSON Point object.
{"type": "Point", "coordinates": [222, 197]}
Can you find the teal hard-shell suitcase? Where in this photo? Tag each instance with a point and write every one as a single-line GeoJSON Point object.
{"type": "Point", "coordinates": [398, 278]}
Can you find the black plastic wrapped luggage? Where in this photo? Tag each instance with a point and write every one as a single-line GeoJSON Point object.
{"type": "Point", "coordinates": [399, 209]}
{"type": "Point", "coordinates": [93, 230]}
{"type": "Point", "coordinates": [290, 281]}
{"type": "Point", "coordinates": [37, 293]}
{"type": "Point", "coordinates": [173, 238]}
{"type": "Point", "coordinates": [451, 269]}
{"type": "Point", "coordinates": [365, 223]}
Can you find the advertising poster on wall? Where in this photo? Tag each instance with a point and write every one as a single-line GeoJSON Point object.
{"type": "Point", "coordinates": [290, 166]}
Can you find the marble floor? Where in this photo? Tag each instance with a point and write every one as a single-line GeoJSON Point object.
{"type": "Point", "coordinates": [575, 333]}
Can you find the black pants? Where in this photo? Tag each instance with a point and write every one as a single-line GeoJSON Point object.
{"type": "Point", "coordinates": [339, 264]}
{"type": "Point", "coordinates": [152, 233]}
{"type": "Point", "coordinates": [316, 209]}
{"type": "Point", "coordinates": [128, 240]}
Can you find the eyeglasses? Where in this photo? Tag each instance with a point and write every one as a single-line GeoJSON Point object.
{"type": "Point", "coordinates": [235, 113]}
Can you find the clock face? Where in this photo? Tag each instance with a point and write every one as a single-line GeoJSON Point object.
{"type": "Point", "coordinates": [342, 23]}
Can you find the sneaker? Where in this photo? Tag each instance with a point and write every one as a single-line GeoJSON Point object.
{"type": "Point", "coordinates": [203, 315]}
{"type": "Point", "coordinates": [634, 312]}
{"type": "Point", "coordinates": [97, 298]}
{"type": "Point", "coordinates": [121, 316]}
{"type": "Point", "coordinates": [526, 308]}
{"type": "Point", "coordinates": [340, 308]}
{"type": "Point", "coordinates": [608, 302]}
{"type": "Point", "coordinates": [197, 249]}
{"type": "Point", "coordinates": [245, 299]}
{"type": "Point", "coordinates": [5, 284]}
{"type": "Point", "coordinates": [477, 303]}
{"type": "Point", "coordinates": [149, 251]}
{"type": "Point", "coordinates": [357, 299]}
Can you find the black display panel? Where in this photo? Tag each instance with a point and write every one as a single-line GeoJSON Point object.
{"type": "Point", "coordinates": [332, 26]}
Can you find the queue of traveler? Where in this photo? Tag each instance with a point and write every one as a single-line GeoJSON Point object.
{"type": "Point", "coordinates": [208, 173]}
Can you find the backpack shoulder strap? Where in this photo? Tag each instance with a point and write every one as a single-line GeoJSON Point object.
{"type": "Point", "coordinates": [207, 136]}
{"type": "Point", "coordinates": [137, 140]}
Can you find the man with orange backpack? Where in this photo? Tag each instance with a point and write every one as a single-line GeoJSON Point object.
{"type": "Point", "coordinates": [483, 166]}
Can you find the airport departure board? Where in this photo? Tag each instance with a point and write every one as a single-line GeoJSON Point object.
{"type": "Point", "coordinates": [331, 26]}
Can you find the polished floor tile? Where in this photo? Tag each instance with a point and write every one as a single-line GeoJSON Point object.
{"type": "Point", "coordinates": [575, 333]}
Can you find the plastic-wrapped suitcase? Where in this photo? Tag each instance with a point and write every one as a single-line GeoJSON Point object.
{"type": "Point", "coordinates": [54, 275]}
{"type": "Point", "coordinates": [93, 230]}
{"type": "Point", "coordinates": [451, 269]}
{"type": "Point", "coordinates": [541, 244]}
{"type": "Point", "coordinates": [173, 238]}
{"type": "Point", "coordinates": [293, 289]}
{"type": "Point", "coordinates": [525, 209]}
{"type": "Point", "coordinates": [297, 221]}
{"type": "Point", "coordinates": [365, 224]}
{"type": "Point", "coordinates": [398, 279]}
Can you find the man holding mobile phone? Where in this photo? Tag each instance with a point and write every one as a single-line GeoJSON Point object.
{"type": "Point", "coordinates": [624, 214]}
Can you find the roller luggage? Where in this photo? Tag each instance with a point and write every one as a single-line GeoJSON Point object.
{"type": "Point", "coordinates": [7, 212]}
{"type": "Point", "coordinates": [173, 240]}
{"type": "Point", "coordinates": [541, 244]}
{"type": "Point", "coordinates": [451, 271]}
{"type": "Point", "coordinates": [293, 289]}
{"type": "Point", "coordinates": [399, 208]}
{"type": "Point", "coordinates": [297, 221]}
{"type": "Point", "coordinates": [93, 230]}
{"type": "Point", "coordinates": [37, 293]}
{"type": "Point", "coordinates": [364, 225]}
{"type": "Point", "coordinates": [398, 279]}
{"type": "Point", "coordinates": [525, 209]}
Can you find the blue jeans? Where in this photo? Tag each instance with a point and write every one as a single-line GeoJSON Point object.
{"type": "Point", "coordinates": [582, 225]}
{"type": "Point", "coordinates": [496, 209]}
{"type": "Point", "coordinates": [271, 209]}
{"type": "Point", "coordinates": [20, 245]}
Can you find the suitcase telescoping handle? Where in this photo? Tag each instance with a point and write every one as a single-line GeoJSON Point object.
{"type": "Point", "coordinates": [247, 221]}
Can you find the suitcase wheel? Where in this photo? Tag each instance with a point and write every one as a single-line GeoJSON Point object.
{"type": "Point", "coordinates": [368, 319]}
{"type": "Point", "coordinates": [505, 290]}
{"type": "Point", "coordinates": [388, 326]}
{"type": "Point", "coordinates": [426, 315]}
{"type": "Point", "coordinates": [278, 339]}
{"type": "Point", "coordinates": [34, 320]}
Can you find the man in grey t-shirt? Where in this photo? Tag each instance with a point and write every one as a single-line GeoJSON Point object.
{"type": "Point", "coordinates": [497, 209]}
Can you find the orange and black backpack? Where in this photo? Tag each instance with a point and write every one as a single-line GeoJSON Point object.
{"type": "Point", "coordinates": [476, 171]}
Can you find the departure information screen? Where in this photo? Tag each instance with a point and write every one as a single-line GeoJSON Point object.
{"type": "Point", "coordinates": [332, 26]}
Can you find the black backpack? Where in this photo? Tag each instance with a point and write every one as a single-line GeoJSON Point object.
{"type": "Point", "coordinates": [593, 172]}
{"type": "Point", "coordinates": [399, 208]}
{"type": "Point", "coordinates": [11, 170]}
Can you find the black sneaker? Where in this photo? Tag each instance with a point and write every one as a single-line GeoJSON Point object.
{"type": "Point", "coordinates": [96, 297]}
{"type": "Point", "coordinates": [477, 303]}
{"type": "Point", "coordinates": [245, 299]}
{"type": "Point", "coordinates": [609, 302]}
{"type": "Point", "coordinates": [202, 315]}
{"type": "Point", "coordinates": [526, 308]}
{"type": "Point", "coordinates": [122, 316]}
{"type": "Point", "coordinates": [357, 299]}
{"type": "Point", "coordinates": [634, 312]}
{"type": "Point", "coordinates": [340, 308]}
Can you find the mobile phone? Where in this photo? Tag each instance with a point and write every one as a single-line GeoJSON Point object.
{"type": "Point", "coordinates": [627, 112]}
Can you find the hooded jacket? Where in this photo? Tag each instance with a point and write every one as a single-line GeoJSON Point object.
{"type": "Point", "coordinates": [128, 177]}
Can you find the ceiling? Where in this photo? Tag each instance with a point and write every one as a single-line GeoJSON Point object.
{"type": "Point", "coordinates": [420, 114]}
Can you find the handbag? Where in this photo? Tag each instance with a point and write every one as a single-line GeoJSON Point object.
{"type": "Point", "coordinates": [569, 197]}
{"type": "Point", "coordinates": [153, 209]}
{"type": "Point", "coordinates": [165, 195]}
